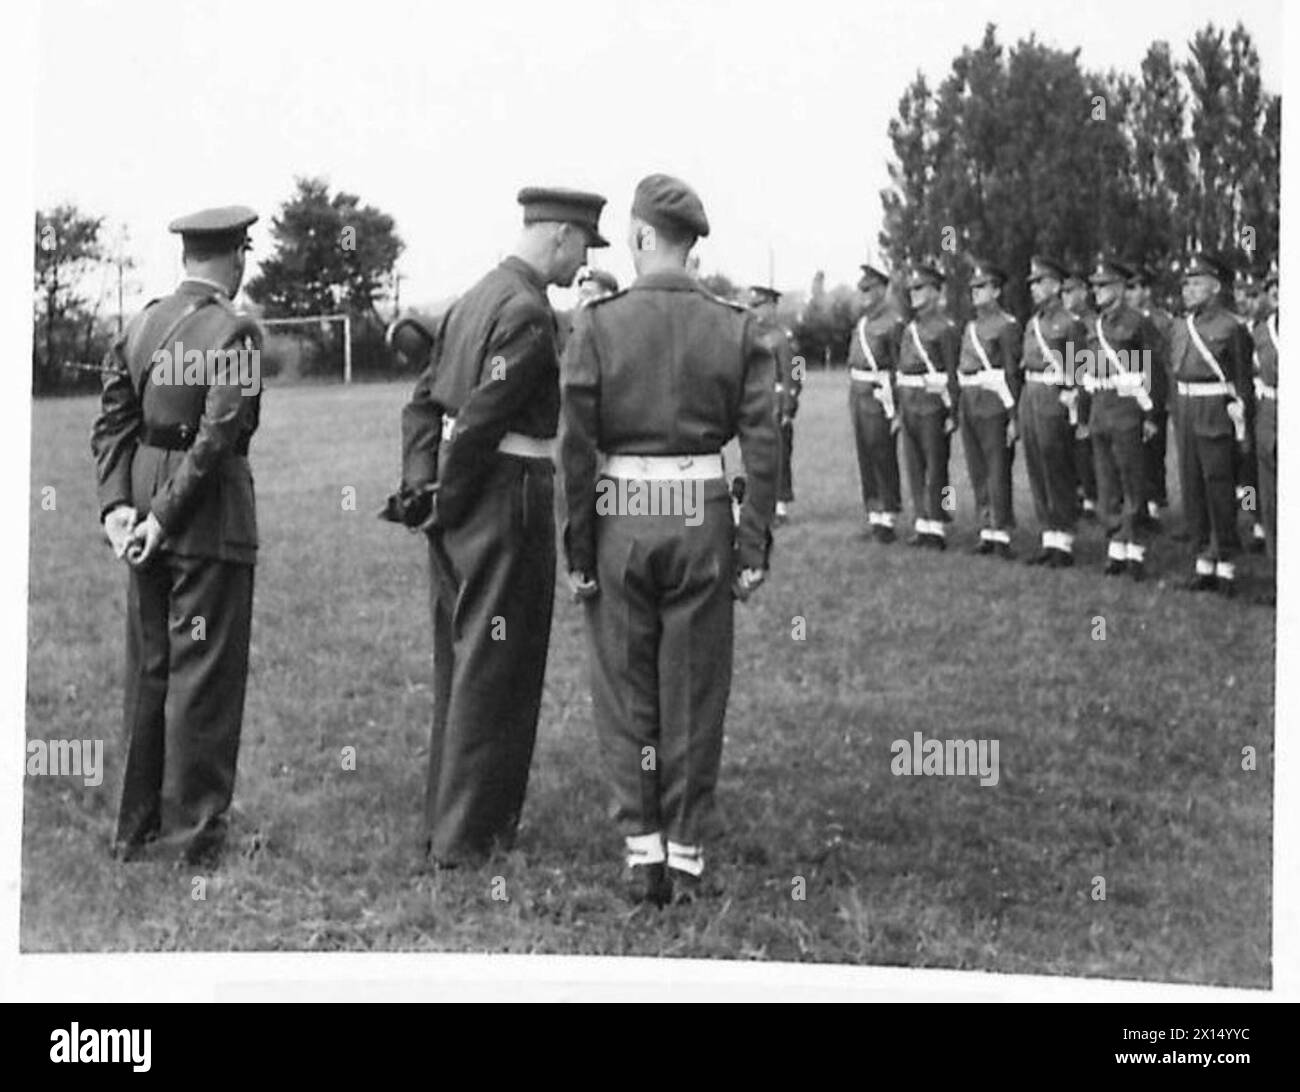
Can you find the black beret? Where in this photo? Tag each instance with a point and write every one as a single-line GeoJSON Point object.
{"type": "Point", "coordinates": [663, 201]}
{"type": "Point", "coordinates": [548, 205]}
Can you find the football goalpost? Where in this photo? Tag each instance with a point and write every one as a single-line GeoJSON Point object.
{"type": "Point", "coordinates": [323, 321]}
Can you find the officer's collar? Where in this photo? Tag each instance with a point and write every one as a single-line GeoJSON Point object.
{"type": "Point", "coordinates": [677, 279]}
{"type": "Point", "coordinates": [513, 261]}
{"type": "Point", "coordinates": [191, 278]}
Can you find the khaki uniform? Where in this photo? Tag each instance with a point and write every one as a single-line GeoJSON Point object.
{"type": "Point", "coordinates": [873, 357]}
{"type": "Point", "coordinates": [177, 448]}
{"type": "Point", "coordinates": [927, 397]}
{"type": "Point", "coordinates": [661, 625]}
{"type": "Point", "coordinates": [482, 422]}
{"type": "Point", "coordinates": [988, 373]}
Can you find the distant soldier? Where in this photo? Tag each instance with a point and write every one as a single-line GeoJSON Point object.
{"type": "Point", "coordinates": [176, 499]}
{"type": "Point", "coordinates": [1250, 304]}
{"type": "Point", "coordinates": [657, 380]}
{"type": "Point", "coordinates": [1266, 375]}
{"type": "Point", "coordinates": [873, 356]}
{"type": "Point", "coordinates": [1138, 296]}
{"type": "Point", "coordinates": [1050, 412]}
{"type": "Point", "coordinates": [478, 440]}
{"type": "Point", "coordinates": [789, 384]}
{"type": "Point", "coordinates": [1129, 393]}
{"type": "Point", "coordinates": [1211, 354]}
{"type": "Point", "coordinates": [988, 372]}
{"type": "Point", "coordinates": [595, 284]}
{"type": "Point", "coordinates": [1074, 296]}
{"type": "Point", "coordinates": [927, 397]}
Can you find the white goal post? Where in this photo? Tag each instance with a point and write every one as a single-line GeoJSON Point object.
{"type": "Point", "coordinates": [308, 320]}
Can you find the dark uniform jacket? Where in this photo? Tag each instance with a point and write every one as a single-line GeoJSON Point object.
{"type": "Point", "coordinates": [202, 494]}
{"type": "Point", "coordinates": [666, 368]}
{"type": "Point", "coordinates": [1136, 343]}
{"type": "Point", "coordinates": [1064, 335]}
{"type": "Point", "coordinates": [1230, 343]}
{"type": "Point", "coordinates": [999, 336]}
{"type": "Point", "coordinates": [939, 335]}
{"type": "Point", "coordinates": [880, 329]}
{"type": "Point", "coordinates": [789, 382]}
{"type": "Point", "coordinates": [1266, 351]}
{"type": "Point", "coordinates": [495, 369]}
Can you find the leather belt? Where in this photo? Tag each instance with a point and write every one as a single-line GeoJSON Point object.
{"type": "Point", "coordinates": [663, 467]}
{"type": "Point", "coordinates": [1204, 390]}
{"type": "Point", "coordinates": [180, 438]}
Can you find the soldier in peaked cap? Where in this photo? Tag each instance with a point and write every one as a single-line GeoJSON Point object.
{"type": "Point", "coordinates": [1266, 376]}
{"type": "Point", "coordinates": [1211, 360]}
{"type": "Point", "coordinates": [1075, 298]}
{"type": "Point", "coordinates": [988, 372]}
{"type": "Point", "coordinates": [657, 379]}
{"type": "Point", "coordinates": [1128, 391]}
{"type": "Point", "coordinates": [789, 385]}
{"type": "Point", "coordinates": [1050, 412]}
{"type": "Point", "coordinates": [927, 395]}
{"type": "Point", "coordinates": [873, 357]}
{"type": "Point", "coordinates": [1139, 297]}
{"type": "Point", "coordinates": [176, 499]}
{"type": "Point", "coordinates": [477, 444]}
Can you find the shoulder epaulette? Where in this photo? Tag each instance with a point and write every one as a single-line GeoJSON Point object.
{"type": "Point", "coordinates": [598, 300]}
{"type": "Point", "coordinates": [723, 300]}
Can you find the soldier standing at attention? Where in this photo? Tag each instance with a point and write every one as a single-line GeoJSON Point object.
{"type": "Point", "coordinates": [1050, 412]}
{"type": "Point", "coordinates": [1074, 296]}
{"type": "Point", "coordinates": [873, 356]}
{"type": "Point", "coordinates": [927, 395]}
{"type": "Point", "coordinates": [1211, 356]}
{"type": "Point", "coordinates": [1138, 296]}
{"type": "Point", "coordinates": [656, 380]}
{"type": "Point", "coordinates": [1266, 369]}
{"type": "Point", "coordinates": [1250, 306]}
{"type": "Point", "coordinates": [988, 373]}
{"type": "Point", "coordinates": [478, 441]}
{"type": "Point", "coordinates": [1130, 392]}
{"type": "Point", "coordinates": [789, 385]}
{"type": "Point", "coordinates": [176, 500]}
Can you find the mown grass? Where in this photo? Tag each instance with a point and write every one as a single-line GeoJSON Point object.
{"type": "Point", "coordinates": [1119, 758]}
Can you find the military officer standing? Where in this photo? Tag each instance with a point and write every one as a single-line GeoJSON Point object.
{"type": "Point", "coordinates": [477, 448]}
{"type": "Point", "coordinates": [1129, 393]}
{"type": "Point", "coordinates": [656, 380]}
{"type": "Point", "coordinates": [1138, 296]}
{"type": "Point", "coordinates": [988, 373]}
{"type": "Point", "coordinates": [873, 356]}
{"type": "Point", "coordinates": [1050, 412]}
{"type": "Point", "coordinates": [1250, 305]}
{"type": "Point", "coordinates": [927, 396]}
{"type": "Point", "coordinates": [1211, 356]}
{"type": "Point", "coordinates": [176, 499]}
{"type": "Point", "coordinates": [789, 385]}
{"type": "Point", "coordinates": [1074, 296]}
{"type": "Point", "coordinates": [1266, 374]}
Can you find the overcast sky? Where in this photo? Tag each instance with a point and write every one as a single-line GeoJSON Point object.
{"type": "Point", "coordinates": [438, 114]}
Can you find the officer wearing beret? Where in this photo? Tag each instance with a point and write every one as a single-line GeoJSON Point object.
{"type": "Point", "coordinates": [927, 395]}
{"type": "Point", "coordinates": [789, 385]}
{"type": "Point", "coordinates": [873, 357]}
{"type": "Point", "coordinates": [1075, 297]}
{"type": "Point", "coordinates": [477, 444]}
{"type": "Point", "coordinates": [1266, 339]}
{"type": "Point", "coordinates": [657, 379]}
{"type": "Point", "coordinates": [988, 372]}
{"type": "Point", "coordinates": [1050, 412]}
{"type": "Point", "coordinates": [1212, 371]}
{"type": "Point", "coordinates": [1138, 296]}
{"type": "Point", "coordinates": [1128, 391]}
{"type": "Point", "coordinates": [179, 404]}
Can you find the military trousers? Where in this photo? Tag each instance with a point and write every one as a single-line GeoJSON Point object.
{"type": "Point", "coordinates": [988, 458]}
{"type": "Point", "coordinates": [1266, 453]}
{"type": "Point", "coordinates": [877, 451]}
{"type": "Point", "coordinates": [785, 465]}
{"type": "Point", "coordinates": [925, 452]}
{"type": "Point", "coordinates": [1156, 447]}
{"type": "Point", "coordinates": [493, 591]}
{"type": "Point", "coordinates": [661, 634]}
{"type": "Point", "coordinates": [1123, 473]}
{"type": "Point", "coordinates": [1207, 463]}
{"type": "Point", "coordinates": [1049, 441]}
{"type": "Point", "coordinates": [188, 623]}
{"type": "Point", "coordinates": [1085, 469]}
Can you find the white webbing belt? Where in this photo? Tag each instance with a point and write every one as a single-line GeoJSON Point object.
{"type": "Point", "coordinates": [865, 375]}
{"type": "Point", "coordinates": [1263, 390]}
{"type": "Point", "coordinates": [1206, 390]}
{"type": "Point", "coordinates": [662, 467]}
{"type": "Point", "coordinates": [512, 443]}
{"type": "Point", "coordinates": [1048, 379]}
{"type": "Point", "coordinates": [911, 379]}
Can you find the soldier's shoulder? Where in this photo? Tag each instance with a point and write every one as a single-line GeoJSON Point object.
{"type": "Point", "coordinates": [601, 301]}
{"type": "Point", "coordinates": [722, 301]}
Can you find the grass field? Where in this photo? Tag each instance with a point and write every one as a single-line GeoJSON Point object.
{"type": "Point", "coordinates": [1119, 758]}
